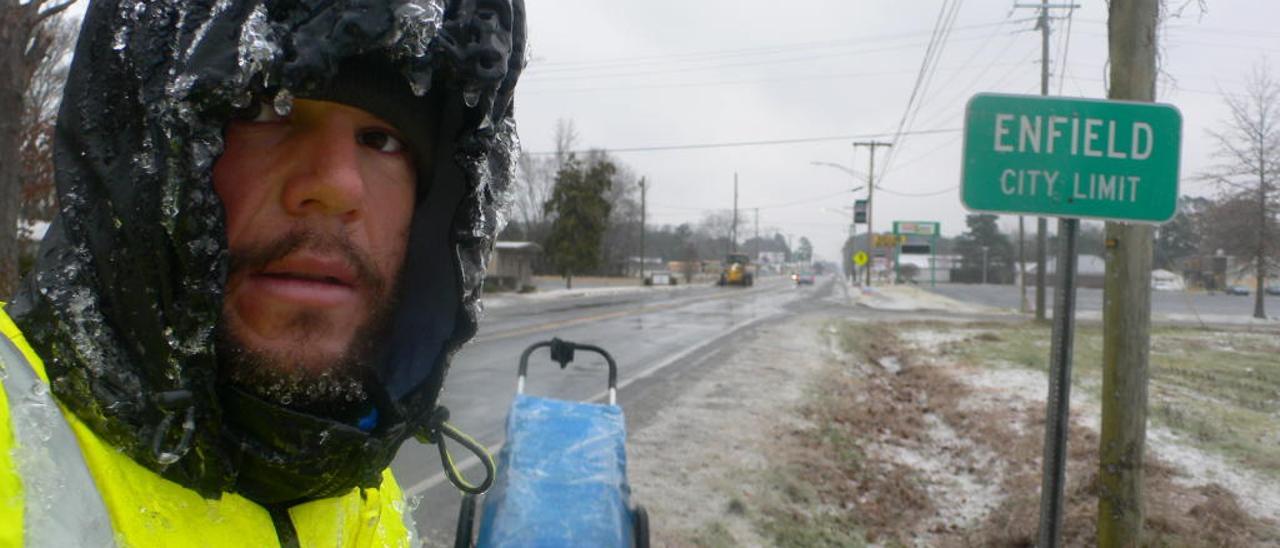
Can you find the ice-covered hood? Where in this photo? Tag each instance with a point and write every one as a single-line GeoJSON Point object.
{"type": "Point", "coordinates": [128, 288]}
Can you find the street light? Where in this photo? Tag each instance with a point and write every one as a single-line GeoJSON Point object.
{"type": "Point", "coordinates": [848, 171]}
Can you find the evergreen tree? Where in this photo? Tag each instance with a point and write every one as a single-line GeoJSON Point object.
{"type": "Point", "coordinates": [580, 210]}
{"type": "Point", "coordinates": [804, 250]}
{"type": "Point", "coordinates": [983, 232]}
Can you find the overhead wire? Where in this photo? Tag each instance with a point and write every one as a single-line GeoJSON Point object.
{"type": "Point", "coordinates": [716, 83]}
{"type": "Point", "coordinates": [946, 84]}
{"type": "Point", "coordinates": [698, 56]}
{"type": "Point", "coordinates": [804, 201]}
{"type": "Point", "coordinates": [625, 73]}
{"type": "Point", "coordinates": [732, 144]}
{"type": "Point", "coordinates": [928, 66]}
{"type": "Point", "coordinates": [948, 107]}
{"type": "Point", "coordinates": [933, 69]}
{"type": "Point", "coordinates": [1066, 48]}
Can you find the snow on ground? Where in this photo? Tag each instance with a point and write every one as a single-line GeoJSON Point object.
{"type": "Point", "coordinates": [1007, 382]}
{"type": "Point", "coordinates": [911, 298]}
{"type": "Point", "coordinates": [1257, 495]}
{"type": "Point", "coordinates": [946, 464]}
{"type": "Point", "coordinates": [1182, 318]}
{"type": "Point", "coordinates": [684, 465]}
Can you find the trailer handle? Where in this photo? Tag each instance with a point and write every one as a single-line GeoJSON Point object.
{"type": "Point", "coordinates": [562, 352]}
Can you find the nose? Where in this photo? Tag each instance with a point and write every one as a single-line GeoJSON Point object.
{"type": "Point", "coordinates": [326, 178]}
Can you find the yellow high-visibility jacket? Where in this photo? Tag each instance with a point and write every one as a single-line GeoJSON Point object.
{"type": "Point", "coordinates": [53, 495]}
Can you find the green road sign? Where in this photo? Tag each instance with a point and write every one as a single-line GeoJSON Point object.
{"type": "Point", "coordinates": [1113, 160]}
{"type": "Point", "coordinates": [916, 228]}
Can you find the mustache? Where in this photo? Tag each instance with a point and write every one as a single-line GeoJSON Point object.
{"type": "Point", "coordinates": [257, 257]}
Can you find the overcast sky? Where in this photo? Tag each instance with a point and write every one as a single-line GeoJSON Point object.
{"type": "Point", "coordinates": [663, 73]}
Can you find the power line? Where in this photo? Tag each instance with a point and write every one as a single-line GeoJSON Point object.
{"type": "Point", "coordinates": [732, 144]}
{"type": "Point", "coordinates": [695, 56]}
{"type": "Point", "coordinates": [1066, 48]}
{"type": "Point", "coordinates": [714, 83]}
{"type": "Point", "coordinates": [624, 73]}
{"type": "Point", "coordinates": [918, 194]}
{"type": "Point", "coordinates": [927, 67]}
{"type": "Point", "coordinates": [804, 201]}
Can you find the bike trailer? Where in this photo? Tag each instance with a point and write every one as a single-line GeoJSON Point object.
{"type": "Point", "coordinates": [562, 473]}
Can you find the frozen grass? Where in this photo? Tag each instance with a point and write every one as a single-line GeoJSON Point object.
{"type": "Point", "coordinates": [960, 426]}
{"type": "Point", "coordinates": [1219, 390]}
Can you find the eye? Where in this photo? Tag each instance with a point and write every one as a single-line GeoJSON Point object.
{"type": "Point", "coordinates": [257, 112]}
{"type": "Point", "coordinates": [380, 140]}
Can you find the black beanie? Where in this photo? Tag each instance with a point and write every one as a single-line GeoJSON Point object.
{"type": "Point", "coordinates": [377, 87]}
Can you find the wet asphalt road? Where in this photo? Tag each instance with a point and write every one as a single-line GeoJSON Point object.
{"type": "Point", "coordinates": [659, 339]}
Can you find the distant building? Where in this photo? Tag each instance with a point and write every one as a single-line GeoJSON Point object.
{"type": "Point", "coordinates": [772, 257]}
{"type": "Point", "coordinates": [942, 264]}
{"type": "Point", "coordinates": [1164, 280]}
{"type": "Point", "coordinates": [511, 266]}
{"type": "Point", "coordinates": [1091, 271]}
{"type": "Point", "coordinates": [632, 266]}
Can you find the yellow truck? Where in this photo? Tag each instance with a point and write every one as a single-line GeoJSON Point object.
{"type": "Point", "coordinates": [738, 270]}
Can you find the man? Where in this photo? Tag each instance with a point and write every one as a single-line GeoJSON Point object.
{"type": "Point", "coordinates": [273, 230]}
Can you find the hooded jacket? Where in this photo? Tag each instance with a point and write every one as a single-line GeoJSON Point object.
{"type": "Point", "coordinates": [126, 294]}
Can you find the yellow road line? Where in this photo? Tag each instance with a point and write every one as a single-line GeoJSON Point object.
{"type": "Point", "coordinates": [611, 315]}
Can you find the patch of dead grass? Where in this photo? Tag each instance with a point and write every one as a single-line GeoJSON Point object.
{"type": "Point", "coordinates": [894, 502]}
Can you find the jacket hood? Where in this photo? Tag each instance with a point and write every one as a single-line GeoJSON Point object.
{"type": "Point", "coordinates": [127, 292]}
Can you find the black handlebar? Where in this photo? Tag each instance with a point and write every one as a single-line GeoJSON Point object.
{"type": "Point", "coordinates": [562, 352]}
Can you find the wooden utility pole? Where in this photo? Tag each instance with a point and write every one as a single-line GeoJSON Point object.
{"type": "Point", "coordinates": [871, 189]}
{"type": "Point", "coordinates": [1022, 264]}
{"type": "Point", "coordinates": [757, 257]}
{"type": "Point", "coordinates": [1126, 312]}
{"type": "Point", "coordinates": [643, 190]}
{"type": "Point", "coordinates": [1042, 224]}
{"type": "Point", "coordinates": [733, 232]}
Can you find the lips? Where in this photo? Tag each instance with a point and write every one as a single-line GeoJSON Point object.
{"type": "Point", "coordinates": [305, 280]}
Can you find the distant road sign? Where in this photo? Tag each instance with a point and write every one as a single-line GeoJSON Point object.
{"type": "Point", "coordinates": [916, 228]}
{"type": "Point", "coordinates": [888, 240]}
{"type": "Point", "coordinates": [1112, 160]}
{"type": "Point", "coordinates": [860, 258]}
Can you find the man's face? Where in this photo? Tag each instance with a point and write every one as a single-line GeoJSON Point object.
{"type": "Point", "coordinates": [318, 206]}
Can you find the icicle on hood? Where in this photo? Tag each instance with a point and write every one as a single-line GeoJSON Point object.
{"type": "Point", "coordinates": [128, 287]}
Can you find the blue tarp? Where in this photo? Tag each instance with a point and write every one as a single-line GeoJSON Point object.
{"type": "Point", "coordinates": [562, 478]}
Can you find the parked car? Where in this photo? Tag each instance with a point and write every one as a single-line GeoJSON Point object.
{"type": "Point", "coordinates": [1237, 290]}
{"type": "Point", "coordinates": [1273, 290]}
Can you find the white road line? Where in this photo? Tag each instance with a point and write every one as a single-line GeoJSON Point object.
{"type": "Point", "coordinates": [469, 462]}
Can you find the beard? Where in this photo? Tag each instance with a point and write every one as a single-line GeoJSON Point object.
{"type": "Point", "coordinates": [326, 385]}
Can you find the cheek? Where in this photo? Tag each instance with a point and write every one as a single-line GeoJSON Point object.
{"type": "Point", "coordinates": [392, 230]}
{"type": "Point", "coordinates": [391, 195]}
{"type": "Point", "coordinates": [232, 182]}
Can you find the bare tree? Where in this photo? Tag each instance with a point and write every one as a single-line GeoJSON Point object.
{"type": "Point", "coordinates": [622, 239]}
{"type": "Point", "coordinates": [43, 97]}
{"type": "Point", "coordinates": [26, 41]}
{"type": "Point", "coordinates": [566, 140]}
{"type": "Point", "coordinates": [535, 176]}
{"type": "Point", "coordinates": [1248, 154]}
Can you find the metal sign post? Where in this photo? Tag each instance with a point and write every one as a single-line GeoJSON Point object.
{"type": "Point", "coordinates": [1058, 404]}
{"type": "Point", "coordinates": [1070, 158]}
